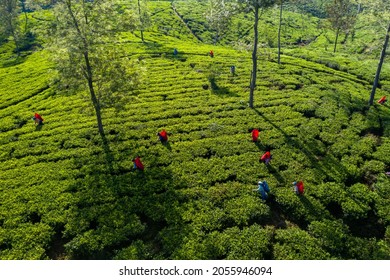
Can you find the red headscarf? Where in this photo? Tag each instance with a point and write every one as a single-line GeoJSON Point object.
{"type": "Point", "coordinates": [267, 155]}
{"type": "Point", "coordinates": [38, 117]}
{"type": "Point", "coordinates": [382, 100]}
{"type": "Point", "coordinates": [164, 135]}
{"type": "Point", "coordinates": [255, 135]}
{"type": "Point", "coordinates": [300, 187]}
{"type": "Point", "coordinates": [138, 163]}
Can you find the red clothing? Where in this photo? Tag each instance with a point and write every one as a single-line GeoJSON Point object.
{"type": "Point", "coordinates": [164, 135]}
{"type": "Point", "coordinates": [211, 53]}
{"type": "Point", "coordinates": [266, 156]}
{"type": "Point", "coordinates": [300, 187]}
{"type": "Point", "coordinates": [255, 135]}
{"type": "Point", "coordinates": [38, 117]}
{"type": "Point", "coordinates": [382, 100]}
{"type": "Point", "coordinates": [138, 163]}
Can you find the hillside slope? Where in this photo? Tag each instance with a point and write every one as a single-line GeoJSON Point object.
{"type": "Point", "coordinates": [63, 196]}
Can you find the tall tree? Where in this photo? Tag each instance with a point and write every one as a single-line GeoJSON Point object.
{"type": "Point", "coordinates": [23, 5]}
{"type": "Point", "coordinates": [380, 9]}
{"type": "Point", "coordinates": [219, 16]}
{"type": "Point", "coordinates": [140, 16]}
{"type": "Point", "coordinates": [83, 47]}
{"type": "Point", "coordinates": [342, 17]}
{"type": "Point", "coordinates": [9, 12]}
{"type": "Point", "coordinates": [144, 17]}
{"type": "Point", "coordinates": [255, 6]}
{"type": "Point", "coordinates": [280, 3]}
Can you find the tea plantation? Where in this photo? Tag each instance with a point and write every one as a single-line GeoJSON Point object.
{"type": "Point", "coordinates": [64, 196]}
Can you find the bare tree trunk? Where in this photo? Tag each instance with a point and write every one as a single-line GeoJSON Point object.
{"type": "Point", "coordinates": [280, 27]}
{"type": "Point", "coordinates": [11, 26]}
{"type": "Point", "coordinates": [95, 101]}
{"type": "Point", "coordinates": [140, 17]}
{"type": "Point", "coordinates": [25, 16]}
{"type": "Point", "coordinates": [303, 26]}
{"type": "Point", "coordinates": [88, 75]}
{"type": "Point", "coordinates": [254, 57]}
{"type": "Point", "coordinates": [16, 40]}
{"type": "Point", "coordinates": [378, 70]}
{"type": "Point", "coordinates": [337, 38]}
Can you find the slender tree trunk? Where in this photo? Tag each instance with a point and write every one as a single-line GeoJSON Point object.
{"type": "Point", "coordinates": [25, 22]}
{"type": "Point", "coordinates": [25, 16]}
{"type": "Point", "coordinates": [140, 17]}
{"type": "Point", "coordinates": [254, 57]}
{"type": "Point", "coordinates": [337, 38]}
{"type": "Point", "coordinates": [16, 40]}
{"type": "Point", "coordinates": [88, 75]}
{"type": "Point", "coordinates": [303, 26]}
{"type": "Point", "coordinates": [280, 28]}
{"type": "Point", "coordinates": [95, 101]}
{"type": "Point", "coordinates": [378, 70]}
{"type": "Point", "coordinates": [9, 21]}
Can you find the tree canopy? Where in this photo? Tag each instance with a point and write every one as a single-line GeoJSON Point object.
{"type": "Point", "coordinates": [87, 52]}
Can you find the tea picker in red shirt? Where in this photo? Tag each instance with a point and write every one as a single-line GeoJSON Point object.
{"type": "Point", "coordinates": [298, 187]}
{"type": "Point", "coordinates": [163, 136]}
{"type": "Point", "coordinates": [138, 164]}
{"type": "Point", "coordinates": [266, 157]}
{"type": "Point", "coordinates": [37, 119]}
{"type": "Point", "coordinates": [382, 100]}
{"type": "Point", "coordinates": [255, 135]}
{"type": "Point", "coordinates": [211, 53]}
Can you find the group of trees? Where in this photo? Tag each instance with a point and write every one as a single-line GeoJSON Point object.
{"type": "Point", "coordinates": [11, 24]}
{"type": "Point", "coordinates": [341, 15]}
{"type": "Point", "coordinates": [87, 55]}
{"type": "Point", "coordinates": [342, 18]}
{"type": "Point", "coordinates": [381, 11]}
{"type": "Point", "coordinates": [82, 36]}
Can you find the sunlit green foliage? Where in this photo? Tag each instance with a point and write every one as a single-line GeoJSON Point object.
{"type": "Point", "coordinates": [64, 197]}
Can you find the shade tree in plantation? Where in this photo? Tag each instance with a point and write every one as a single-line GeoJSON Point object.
{"type": "Point", "coordinates": [254, 6]}
{"type": "Point", "coordinates": [14, 25]}
{"type": "Point", "coordinates": [11, 24]}
{"type": "Point", "coordinates": [9, 21]}
{"type": "Point", "coordinates": [380, 10]}
{"type": "Point", "coordinates": [341, 16]}
{"type": "Point", "coordinates": [23, 6]}
{"type": "Point", "coordinates": [219, 15]}
{"type": "Point", "coordinates": [84, 47]}
{"type": "Point", "coordinates": [280, 3]}
{"type": "Point", "coordinates": [143, 17]}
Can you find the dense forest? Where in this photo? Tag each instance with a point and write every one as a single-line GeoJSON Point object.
{"type": "Point", "coordinates": [86, 86]}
